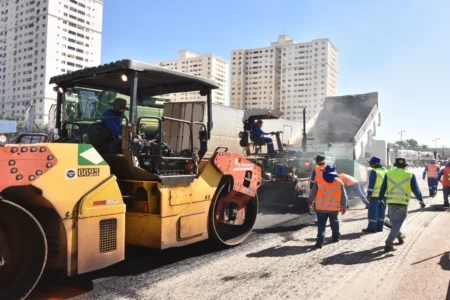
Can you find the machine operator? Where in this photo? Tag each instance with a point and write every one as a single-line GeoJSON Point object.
{"type": "Point", "coordinates": [257, 134]}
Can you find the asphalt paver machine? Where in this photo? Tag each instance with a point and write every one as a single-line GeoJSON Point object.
{"type": "Point", "coordinates": [287, 173]}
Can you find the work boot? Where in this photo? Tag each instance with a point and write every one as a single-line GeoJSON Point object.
{"type": "Point", "coordinates": [379, 230]}
{"type": "Point", "coordinates": [318, 245]}
{"type": "Point", "coordinates": [367, 230]}
{"type": "Point", "coordinates": [335, 240]}
{"type": "Point", "coordinates": [446, 205]}
{"type": "Point", "coordinates": [389, 248]}
{"type": "Point", "coordinates": [401, 239]}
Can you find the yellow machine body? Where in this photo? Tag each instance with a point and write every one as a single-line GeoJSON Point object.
{"type": "Point", "coordinates": [93, 221]}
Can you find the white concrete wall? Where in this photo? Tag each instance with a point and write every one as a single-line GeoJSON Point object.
{"type": "Point", "coordinates": [377, 148]}
{"type": "Point", "coordinates": [227, 123]}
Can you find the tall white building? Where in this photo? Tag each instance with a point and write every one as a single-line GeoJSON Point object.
{"type": "Point", "coordinates": [287, 76]}
{"type": "Point", "coordinates": [209, 66]}
{"type": "Point", "coordinates": [40, 39]}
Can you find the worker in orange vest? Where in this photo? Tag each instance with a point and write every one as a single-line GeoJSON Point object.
{"type": "Point", "coordinates": [317, 171]}
{"type": "Point", "coordinates": [444, 178]}
{"type": "Point", "coordinates": [352, 185]}
{"type": "Point", "coordinates": [329, 198]}
{"type": "Point", "coordinates": [432, 173]}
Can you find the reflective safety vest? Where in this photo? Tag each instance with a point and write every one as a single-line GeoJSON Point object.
{"type": "Point", "coordinates": [319, 173]}
{"type": "Point", "coordinates": [446, 176]}
{"type": "Point", "coordinates": [329, 196]}
{"type": "Point", "coordinates": [381, 172]}
{"type": "Point", "coordinates": [347, 179]}
{"type": "Point", "coordinates": [398, 190]}
{"type": "Point", "coordinates": [432, 171]}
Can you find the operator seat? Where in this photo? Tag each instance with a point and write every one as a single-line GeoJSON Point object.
{"type": "Point", "coordinates": [100, 138]}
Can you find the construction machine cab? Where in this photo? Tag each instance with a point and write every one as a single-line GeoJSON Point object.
{"type": "Point", "coordinates": [162, 144]}
{"type": "Point", "coordinates": [249, 119]}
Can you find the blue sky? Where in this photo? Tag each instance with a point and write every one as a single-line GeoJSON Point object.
{"type": "Point", "coordinates": [396, 48]}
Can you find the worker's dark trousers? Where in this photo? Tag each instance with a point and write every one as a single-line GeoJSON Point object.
{"type": "Point", "coordinates": [432, 185]}
{"type": "Point", "coordinates": [446, 192]}
{"type": "Point", "coordinates": [376, 214]}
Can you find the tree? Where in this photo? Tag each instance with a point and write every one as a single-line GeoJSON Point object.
{"type": "Point", "coordinates": [402, 144]}
{"type": "Point", "coordinates": [424, 147]}
{"type": "Point", "coordinates": [392, 146]}
{"type": "Point", "coordinates": [412, 144]}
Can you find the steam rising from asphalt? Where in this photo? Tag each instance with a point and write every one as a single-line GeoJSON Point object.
{"type": "Point", "coordinates": [342, 117]}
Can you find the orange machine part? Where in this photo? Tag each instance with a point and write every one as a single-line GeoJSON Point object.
{"type": "Point", "coordinates": [239, 168]}
{"type": "Point", "coordinates": [246, 180]}
{"type": "Point", "coordinates": [23, 164]}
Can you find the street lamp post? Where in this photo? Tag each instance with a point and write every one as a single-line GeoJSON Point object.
{"type": "Point", "coordinates": [401, 135]}
{"type": "Point", "coordinates": [435, 140]}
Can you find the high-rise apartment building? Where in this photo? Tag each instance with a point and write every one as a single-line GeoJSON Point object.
{"type": "Point", "coordinates": [209, 66]}
{"type": "Point", "coordinates": [287, 76]}
{"type": "Point", "coordinates": [40, 39]}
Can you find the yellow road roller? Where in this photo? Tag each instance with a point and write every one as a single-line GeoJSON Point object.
{"type": "Point", "coordinates": [72, 200]}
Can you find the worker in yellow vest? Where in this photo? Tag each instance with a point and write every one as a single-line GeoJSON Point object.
{"type": "Point", "coordinates": [329, 198]}
{"type": "Point", "coordinates": [376, 213]}
{"type": "Point", "coordinates": [395, 191]}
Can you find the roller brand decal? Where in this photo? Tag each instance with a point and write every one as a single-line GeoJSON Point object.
{"type": "Point", "coordinates": [242, 167]}
{"type": "Point", "coordinates": [71, 174]}
{"type": "Point", "coordinates": [88, 172]}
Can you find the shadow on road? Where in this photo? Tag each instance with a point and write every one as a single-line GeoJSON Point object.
{"type": "Point", "coordinates": [348, 236]}
{"type": "Point", "coordinates": [429, 208]}
{"type": "Point", "coordinates": [281, 251]}
{"type": "Point", "coordinates": [138, 261]}
{"type": "Point", "coordinates": [444, 262]}
{"type": "Point", "coordinates": [282, 229]}
{"type": "Point", "coordinates": [355, 258]}
{"type": "Point", "coordinates": [354, 219]}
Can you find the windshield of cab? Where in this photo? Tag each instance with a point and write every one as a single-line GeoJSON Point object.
{"type": "Point", "coordinates": [84, 104]}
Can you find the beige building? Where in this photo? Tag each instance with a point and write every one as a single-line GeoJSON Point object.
{"type": "Point", "coordinates": [287, 76]}
{"type": "Point", "coordinates": [209, 66]}
{"type": "Point", "coordinates": [40, 39]}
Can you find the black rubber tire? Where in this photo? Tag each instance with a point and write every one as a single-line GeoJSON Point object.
{"type": "Point", "coordinates": [27, 246]}
{"type": "Point", "coordinates": [231, 235]}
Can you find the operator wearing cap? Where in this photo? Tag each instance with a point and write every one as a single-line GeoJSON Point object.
{"type": "Point", "coordinates": [257, 134]}
{"type": "Point", "coordinates": [396, 189]}
{"type": "Point", "coordinates": [114, 125]}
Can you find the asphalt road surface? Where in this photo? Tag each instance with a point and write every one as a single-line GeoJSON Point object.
{"type": "Point", "coordinates": [276, 262]}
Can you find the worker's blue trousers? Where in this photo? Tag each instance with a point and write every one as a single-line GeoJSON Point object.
{"type": "Point", "coordinates": [432, 185]}
{"type": "Point", "coordinates": [269, 143]}
{"type": "Point", "coordinates": [376, 214]}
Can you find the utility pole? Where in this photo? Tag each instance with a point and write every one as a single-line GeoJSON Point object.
{"type": "Point", "coordinates": [401, 135]}
{"type": "Point", "coordinates": [435, 146]}
{"type": "Point", "coordinates": [435, 142]}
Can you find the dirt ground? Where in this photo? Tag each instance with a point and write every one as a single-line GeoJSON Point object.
{"type": "Point", "coordinates": [285, 266]}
